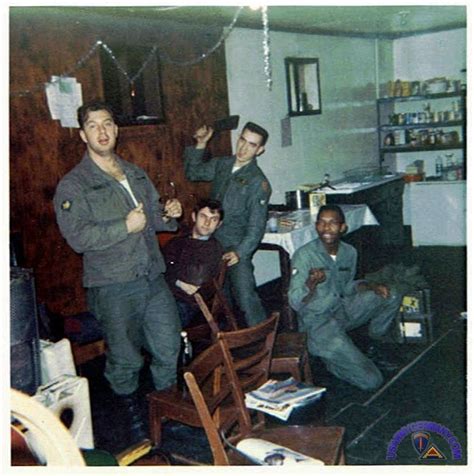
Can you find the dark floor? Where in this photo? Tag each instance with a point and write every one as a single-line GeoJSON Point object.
{"type": "Point", "coordinates": [425, 381]}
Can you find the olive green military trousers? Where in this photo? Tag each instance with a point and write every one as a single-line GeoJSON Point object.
{"type": "Point", "coordinates": [137, 315]}
{"type": "Point", "coordinates": [327, 338]}
{"type": "Point", "coordinates": [240, 283]}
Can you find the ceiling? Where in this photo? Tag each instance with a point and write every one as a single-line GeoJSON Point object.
{"type": "Point", "coordinates": [366, 21]}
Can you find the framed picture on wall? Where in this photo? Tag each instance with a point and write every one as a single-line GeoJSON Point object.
{"type": "Point", "coordinates": [303, 86]}
{"type": "Point", "coordinates": [140, 102]}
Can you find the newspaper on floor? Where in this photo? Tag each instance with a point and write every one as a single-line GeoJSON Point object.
{"type": "Point", "coordinates": [279, 398]}
{"type": "Point", "coordinates": [264, 452]}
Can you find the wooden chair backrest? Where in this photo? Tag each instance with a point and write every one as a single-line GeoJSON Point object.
{"type": "Point", "coordinates": [208, 370]}
{"type": "Point", "coordinates": [217, 304]}
{"type": "Point", "coordinates": [243, 360]}
{"type": "Point", "coordinates": [211, 429]}
{"type": "Point", "coordinates": [210, 385]}
{"type": "Point", "coordinates": [251, 351]}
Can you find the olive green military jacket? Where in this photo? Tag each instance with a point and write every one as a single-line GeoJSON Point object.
{"type": "Point", "coordinates": [244, 196]}
{"type": "Point", "coordinates": [91, 208]}
{"type": "Point", "coordinates": [328, 296]}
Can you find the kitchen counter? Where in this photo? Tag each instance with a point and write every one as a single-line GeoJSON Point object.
{"type": "Point", "coordinates": [384, 197]}
{"type": "Point", "coordinates": [345, 187]}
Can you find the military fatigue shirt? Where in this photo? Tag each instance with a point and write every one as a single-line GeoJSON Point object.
{"type": "Point", "coordinates": [328, 296]}
{"type": "Point", "coordinates": [91, 208]}
{"type": "Point", "coordinates": [244, 195]}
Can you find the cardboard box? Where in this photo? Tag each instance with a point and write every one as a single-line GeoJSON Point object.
{"type": "Point", "coordinates": [416, 302]}
{"type": "Point", "coordinates": [415, 328]}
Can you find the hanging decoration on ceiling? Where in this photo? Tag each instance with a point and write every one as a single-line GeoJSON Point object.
{"type": "Point", "coordinates": [163, 56]}
{"type": "Point", "coordinates": [225, 33]}
{"type": "Point", "coordinates": [267, 67]}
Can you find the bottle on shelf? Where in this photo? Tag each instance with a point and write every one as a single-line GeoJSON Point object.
{"type": "Point", "coordinates": [459, 170]}
{"type": "Point", "coordinates": [428, 121]}
{"type": "Point", "coordinates": [439, 166]}
{"type": "Point", "coordinates": [399, 137]}
{"type": "Point", "coordinates": [450, 171]}
{"type": "Point", "coordinates": [185, 357]}
{"type": "Point", "coordinates": [427, 109]}
{"type": "Point", "coordinates": [389, 140]}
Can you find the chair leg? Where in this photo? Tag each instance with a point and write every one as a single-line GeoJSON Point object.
{"type": "Point", "coordinates": [154, 418]}
{"type": "Point", "coordinates": [295, 372]}
{"type": "Point", "coordinates": [308, 376]}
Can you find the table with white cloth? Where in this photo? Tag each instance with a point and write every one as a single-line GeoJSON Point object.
{"type": "Point", "coordinates": [287, 240]}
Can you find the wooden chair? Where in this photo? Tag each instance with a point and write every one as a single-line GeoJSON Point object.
{"type": "Point", "coordinates": [219, 306]}
{"type": "Point", "coordinates": [290, 354]}
{"type": "Point", "coordinates": [170, 403]}
{"type": "Point", "coordinates": [323, 443]}
{"type": "Point", "coordinates": [218, 314]}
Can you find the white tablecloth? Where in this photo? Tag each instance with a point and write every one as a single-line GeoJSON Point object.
{"type": "Point", "coordinates": [304, 231]}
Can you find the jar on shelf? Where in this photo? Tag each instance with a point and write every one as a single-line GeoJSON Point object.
{"type": "Point", "coordinates": [415, 88]}
{"type": "Point", "coordinates": [389, 140]}
{"type": "Point", "coordinates": [401, 118]}
{"type": "Point", "coordinates": [406, 88]}
{"type": "Point", "coordinates": [412, 137]}
{"type": "Point", "coordinates": [439, 166]}
{"type": "Point", "coordinates": [397, 89]}
{"type": "Point", "coordinates": [399, 137]}
{"type": "Point", "coordinates": [423, 137]}
{"type": "Point", "coordinates": [439, 136]}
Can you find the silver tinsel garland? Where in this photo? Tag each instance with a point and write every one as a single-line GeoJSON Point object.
{"type": "Point", "coordinates": [267, 67]}
{"type": "Point", "coordinates": [131, 79]}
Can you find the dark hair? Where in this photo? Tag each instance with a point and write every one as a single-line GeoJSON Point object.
{"type": "Point", "coordinates": [213, 205]}
{"type": "Point", "coordinates": [96, 105]}
{"type": "Point", "coordinates": [252, 127]}
{"type": "Point", "coordinates": [332, 208]}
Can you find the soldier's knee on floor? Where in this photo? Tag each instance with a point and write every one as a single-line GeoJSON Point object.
{"type": "Point", "coordinates": [371, 381]}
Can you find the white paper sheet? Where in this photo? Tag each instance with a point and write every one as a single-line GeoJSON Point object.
{"type": "Point", "coordinates": [64, 96]}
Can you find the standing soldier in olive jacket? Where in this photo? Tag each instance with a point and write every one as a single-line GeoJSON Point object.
{"type": "Point", "coordinates": [239, 183]}
{"type": "Point", "coordinates": [108, 210]}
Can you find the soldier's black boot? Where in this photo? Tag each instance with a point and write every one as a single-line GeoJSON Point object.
{"type": "Point", "coordinates": [135, 423]}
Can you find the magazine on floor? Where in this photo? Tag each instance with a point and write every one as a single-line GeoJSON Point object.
{"type": "Point", "coordinates": [264, 452]}
{"type": "Point", "coordinates": [280, 398]}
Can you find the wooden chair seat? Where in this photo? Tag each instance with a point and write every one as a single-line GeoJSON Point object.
{"type": "Point", "coordinates": [170, 404]}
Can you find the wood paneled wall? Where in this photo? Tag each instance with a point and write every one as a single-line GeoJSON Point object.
{"type": "Point", "coordinates": [45, 43]}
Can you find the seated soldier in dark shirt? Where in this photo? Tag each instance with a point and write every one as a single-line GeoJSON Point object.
{"type": "Point", "coordinates": [193, 260]}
